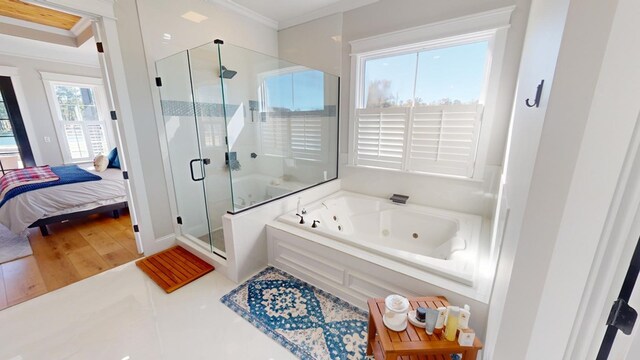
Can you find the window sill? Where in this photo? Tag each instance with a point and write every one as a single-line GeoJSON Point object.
{"type": "Point", "coordinates": [414, 173]}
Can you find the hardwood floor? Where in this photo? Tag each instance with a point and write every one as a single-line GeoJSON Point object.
{"type": "Point", "coordinates": [75, 250]}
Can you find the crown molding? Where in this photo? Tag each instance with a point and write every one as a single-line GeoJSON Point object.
{"type": "Point", "coordinates": [474, 23]}
{"type": "Point", "coordinates": [246, 12]}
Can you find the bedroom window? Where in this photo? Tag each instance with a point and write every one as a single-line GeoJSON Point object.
{"type": "Point", "coordinates": [78, 108]}
{"type": "Point", "coordinates": [426, 106]}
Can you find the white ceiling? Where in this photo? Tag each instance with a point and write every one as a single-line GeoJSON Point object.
{"type": "Point", "coordinates": [286, 13]}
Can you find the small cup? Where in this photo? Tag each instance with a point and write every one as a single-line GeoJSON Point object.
{"type": "Point", "coordinates": [431, 317]}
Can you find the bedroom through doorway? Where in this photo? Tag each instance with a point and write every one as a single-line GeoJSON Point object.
{"type": "Point", "coordinates": [65, 208]}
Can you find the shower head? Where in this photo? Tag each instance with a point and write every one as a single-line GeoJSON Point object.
{"type": "Point", "coordinates": [226, 73]}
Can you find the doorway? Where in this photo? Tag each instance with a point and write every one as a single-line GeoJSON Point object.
{"type": "Point", "coordinates": [15, 149]}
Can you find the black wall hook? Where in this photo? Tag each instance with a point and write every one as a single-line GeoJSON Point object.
{"type": "Point", "coordinates": [536, 103]}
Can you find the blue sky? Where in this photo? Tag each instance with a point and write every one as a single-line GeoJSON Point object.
{"type": "Point", "coordinates": [300, 91]}
{"type": "Point", "coordinates": [454, 72]}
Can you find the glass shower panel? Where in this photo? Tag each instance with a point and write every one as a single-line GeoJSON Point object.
{"type": "Point", "coordinates": [182, 128]}
{"type": "Point", "coordinates": [282, 125]}
{"type": "Point", "coordinates": [212, 134]}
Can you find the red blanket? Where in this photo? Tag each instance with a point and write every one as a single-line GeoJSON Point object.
{"type": "Point", "coordinates": [31, 175]}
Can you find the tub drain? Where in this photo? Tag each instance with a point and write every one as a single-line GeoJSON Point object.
{"type": "Point", "coordinates": [415, 235]}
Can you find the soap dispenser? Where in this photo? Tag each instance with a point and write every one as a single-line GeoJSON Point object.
{"type": "Point", "coordinates": [465, 314]}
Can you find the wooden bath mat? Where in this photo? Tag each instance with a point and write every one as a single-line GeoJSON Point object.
{"type": "Point", "coordinates": [174, 268]}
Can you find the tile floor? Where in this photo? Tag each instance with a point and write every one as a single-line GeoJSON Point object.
{"type": "Point", "coordinates": [122, 314]}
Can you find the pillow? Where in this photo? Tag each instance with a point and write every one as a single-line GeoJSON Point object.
{"type": "Point", "coordinates": [114, 161]}
{"type": "Point", "coordinates": [100, 163]}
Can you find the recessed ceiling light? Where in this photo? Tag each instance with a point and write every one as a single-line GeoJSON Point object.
{"type": "Point", "coordinates": [194, 16]}
{"type": "Point", "coordinates": [166, 36]}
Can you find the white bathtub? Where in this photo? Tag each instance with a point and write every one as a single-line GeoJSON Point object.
{"type": "Point", "coordinates": [438, 241]}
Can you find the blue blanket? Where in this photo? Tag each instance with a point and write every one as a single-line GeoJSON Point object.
{"type": "Point", "coordinates": [68, 175]}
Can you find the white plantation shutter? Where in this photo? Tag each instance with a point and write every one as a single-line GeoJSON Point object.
{"type": "Point", "coordinates": [74, 135]}
{"type": "Point", "coordinates": [97, 138]}
{"type": "Point", "coordinates": [444, 139]}
{"type": "Point", "coordinates": [306, 138]}
{"type": "Point", "coordinates": [380, 137]}
{"type": "Point", "coordinates": [299, 137]}
{"type": "Point", "coordinates": [428, 139]}
{"type": "Point", "coordinates": [274, 136]}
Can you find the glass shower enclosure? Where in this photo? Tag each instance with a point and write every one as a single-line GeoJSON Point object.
{"type": "Point", "coordinates": [242, 129]}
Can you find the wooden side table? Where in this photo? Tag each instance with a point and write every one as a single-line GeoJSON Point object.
{"type": "Point", "coordinates": [412, 343]}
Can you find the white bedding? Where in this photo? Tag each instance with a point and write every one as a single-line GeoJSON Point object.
{"type": "Point", "coordinates": [25, 209]}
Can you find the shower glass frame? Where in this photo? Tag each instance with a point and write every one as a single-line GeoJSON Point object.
{"type": "Point", "coordinates": [216, 149]}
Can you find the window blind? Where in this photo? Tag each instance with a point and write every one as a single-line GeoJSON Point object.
{"type": "Point", "coordinates": [431, 139]}
{"type": "Point", "coordinates": [299, 137]}
{"type": "Point", "coordinates": [380, 137]}
{"type": "Point", "coordinates": [274, 136]}
{"type": "Point", "coordinates": [306, 138]}
{"type": "Point", "coordinates": [444, 139]}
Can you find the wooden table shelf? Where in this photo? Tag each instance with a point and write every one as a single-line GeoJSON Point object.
{"type": "Point", "coordinates": [412, 343]}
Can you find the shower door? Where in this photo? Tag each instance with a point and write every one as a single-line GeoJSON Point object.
{"type": "Point", "coordinates": [195, 133]}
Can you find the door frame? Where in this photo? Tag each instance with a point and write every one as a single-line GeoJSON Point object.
{"type": "Point", "coordinates": [105, 31]}
{"type": "Point", "coordinates": [13, 74]}
{"type": "Point", "coordinates": [17, 122]}
{"type": "Point", "coordinates": [612, 259]}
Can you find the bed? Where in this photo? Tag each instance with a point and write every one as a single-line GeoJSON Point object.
{"type": "Point", "coordinates": [39, 208]}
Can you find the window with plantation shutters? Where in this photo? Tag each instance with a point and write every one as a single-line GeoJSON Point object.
{"type": "Point", "coordinates": [420, 108]}
{"type": "Point", "coordinates": [78, 108]}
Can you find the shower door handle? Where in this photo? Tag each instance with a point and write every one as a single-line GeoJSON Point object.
{"type": "Point", "coordinates": [193, 177]}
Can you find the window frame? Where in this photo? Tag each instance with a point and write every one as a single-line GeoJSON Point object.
{"type": "Point", "coordinates": [488, 26]}
{"type": "Point", "coordinates": [51, 80]}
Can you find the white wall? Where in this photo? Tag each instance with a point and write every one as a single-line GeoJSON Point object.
{"type": "Point", "coordinates": [37, 105]}
{"type": "Point", "coordinates": [576, 169]}
{"type": "Point", "coordinates": [159, 17]}
{"type": "Point", "coordinates": [316, 44]}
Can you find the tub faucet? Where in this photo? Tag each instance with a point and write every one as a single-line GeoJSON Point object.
{"type": "Point", "coordinates": [301, 218]}
{"type": "Point", "coordinates": [314, 223]}
{"type": "Point", "coordinates": [399, 199]}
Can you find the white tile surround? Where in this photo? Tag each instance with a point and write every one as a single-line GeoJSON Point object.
{"type": "Point", "coordinates": [122, 314]}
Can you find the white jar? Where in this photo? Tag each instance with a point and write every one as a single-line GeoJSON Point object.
{"type": "Point", "coordinates": [395, 315]}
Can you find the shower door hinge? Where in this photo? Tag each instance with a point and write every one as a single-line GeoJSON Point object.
{"type": "Point", "coordinates": [158, 81]}
{"type": "Point", "coordinates": [114, 116]}
{"type": "Point", "coordinates": [226, 140]}
{"type": "Point", "coordinates": [622, 316]}
{"type": "Point", "coordinates": [179, 220]}
{"type": "Point", "coordinates": [125, 175]}
{"type": "Point", "coordinates": [100, 47]}
{"type": "Point", "coordinates": [136, 228]}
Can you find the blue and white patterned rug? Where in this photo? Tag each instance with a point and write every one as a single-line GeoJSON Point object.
{"type": "Point", "coordinates": [309, 322]}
